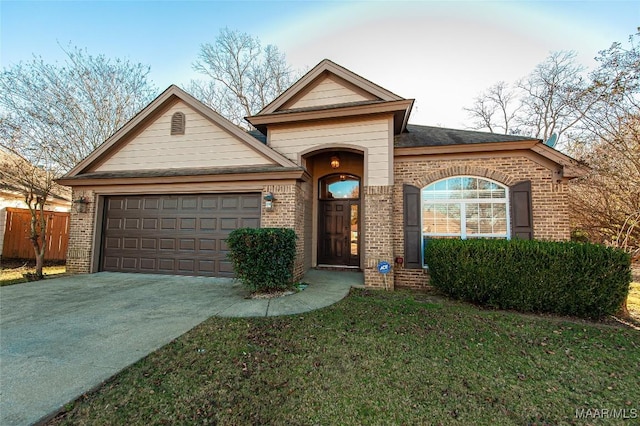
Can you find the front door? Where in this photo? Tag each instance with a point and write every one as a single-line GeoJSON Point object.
{"type": "Point", "coordinates": [339, 222]}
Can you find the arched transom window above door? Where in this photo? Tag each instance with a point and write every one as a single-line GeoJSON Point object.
{"type": "Point", "coordinates": [340, 186]}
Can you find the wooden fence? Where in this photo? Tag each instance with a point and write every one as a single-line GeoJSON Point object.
{"type": "Point", "coordinates": [16, 235]}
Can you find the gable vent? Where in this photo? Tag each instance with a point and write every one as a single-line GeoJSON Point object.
{"type": "Point", "coordinates": [177, 124]}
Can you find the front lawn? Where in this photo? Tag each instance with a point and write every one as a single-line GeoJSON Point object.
{"type": "Point", "coordinates": [377, 358]}
{"type": "Point", "coordinates": [15, 274]}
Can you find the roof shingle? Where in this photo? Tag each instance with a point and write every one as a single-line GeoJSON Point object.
{"type": "Point", "coordinates": [417, 136]}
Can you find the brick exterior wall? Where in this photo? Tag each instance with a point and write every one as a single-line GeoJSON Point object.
{"type": "Point", "coordinates": [549, 198]}
{"type": "Point", "coordinates": [80, 251]}
{"type": "Point", "coordinates": [292, 209]}
{"type": "Point", "coordinates": [378, 234]}
{"type": "Point", "coordinates": [382, 219]}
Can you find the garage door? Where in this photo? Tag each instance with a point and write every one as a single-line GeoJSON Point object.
{"type": "Point", "coordinates": [174, 234]}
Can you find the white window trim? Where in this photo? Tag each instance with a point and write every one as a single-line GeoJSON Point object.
{"type": "Point", "coordinates": [462, 202]}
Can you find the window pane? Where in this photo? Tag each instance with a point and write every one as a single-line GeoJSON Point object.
{"type": "Point", "coordinates": [471, 215]}
{"type": "Point", "coordinates": [441, 218]}
{"type": "Point", "coordinates": [483, 202]}
{"type": "Point", "coordinates": [453, 219]}
{"type": "Point", "coordinates": [354, 229]}
{"type": "Point", "coordinates": [498, 193]}
{"type": "Point", "coordinates": [470, 186]}
{"type": "Point", "coordinates": [500, 227]}
{"type": "Point", "coordinates": [454, 186]}
{"type": "Point", "coordinates": [340, 186]}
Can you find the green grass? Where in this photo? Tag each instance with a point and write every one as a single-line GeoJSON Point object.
{"type": "Point", "coordinates": [376, 358]}
{"type": "Point", "coordinates": [15, 275]}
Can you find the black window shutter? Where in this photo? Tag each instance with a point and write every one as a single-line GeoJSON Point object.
{"type": "Point", "coordinates": [521, 213]}
{"type": "Point", "coordinates": [412, 231]}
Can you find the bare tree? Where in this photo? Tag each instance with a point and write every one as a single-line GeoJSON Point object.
{"type": "Point", "coordinates": [556, 96]}
{"type": "Point", "coordinates": [553, 98]}
{"type": "Point", "coordinates": [244, 77]}
{"type": "Point", "coordinates": [495, 109]}
{"type": "Point", "coordinates": [36, 185]}
{"type": "Point", "coordinates": [68, 110]}
{"type": "Point", "coordinates": [605, 205]}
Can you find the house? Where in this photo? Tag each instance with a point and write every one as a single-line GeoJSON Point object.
{"type": "Point", "coordinates": [333, 158]}
{"type": "Point", "coordinates": [12, 200]}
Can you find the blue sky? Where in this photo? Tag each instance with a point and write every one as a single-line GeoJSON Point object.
{"type": "Point", "coordinates": [442, 53]}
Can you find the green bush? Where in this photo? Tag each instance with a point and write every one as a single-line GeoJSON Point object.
{"type": "Point", "coordinates": [569, 278]}
{"type": "Point", "coordinates": [263, 258]}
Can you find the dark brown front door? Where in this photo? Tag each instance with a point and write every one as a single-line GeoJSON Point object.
{"type": "Point", "coordinates": [174, 234]}
{"type": "Point", "coordinates": [339, 236]}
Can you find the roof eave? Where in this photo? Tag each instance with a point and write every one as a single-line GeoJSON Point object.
{"type": "Point", "coordinates": [400, 108]}
{"type": "Point", "coordinates": [80, 180]}
{"type": "Point", "coordinates": [173, 94]}
{"type": "Point", "coordinates": [461, 148]}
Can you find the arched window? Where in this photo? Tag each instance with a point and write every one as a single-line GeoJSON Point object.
{"type": "Point", "coordinates": [465, 207]}
{"type": "Point", "coordinates": [177, 123]}
{"type": "Point", "coordinates": [340, 186]}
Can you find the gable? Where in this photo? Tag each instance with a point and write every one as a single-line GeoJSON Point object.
{"type": "Point", "coordinates": [203, 144]}
{"type": "Point", "coordinates": [332, 79]}
{"type": "Point", "coordinates": [328, 89]}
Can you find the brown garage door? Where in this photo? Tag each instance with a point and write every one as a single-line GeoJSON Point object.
{"type": "Point", "coordinates": [174, 234]}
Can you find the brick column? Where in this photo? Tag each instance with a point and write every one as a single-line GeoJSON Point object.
{"type": "Point", "coordinates": [378, 234]}
{"type": "Point", "coordinates": [289, 210]}
{"type": "Point", "coordinates": [81, 231]}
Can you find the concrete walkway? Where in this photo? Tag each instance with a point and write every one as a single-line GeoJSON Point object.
{"type": "Point", "coordinates": [62, 337]}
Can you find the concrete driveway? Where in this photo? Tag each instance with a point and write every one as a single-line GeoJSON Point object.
{"type": "Point", "coordinates": [62, 337]}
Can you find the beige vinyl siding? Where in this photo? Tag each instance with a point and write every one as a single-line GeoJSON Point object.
{"type": "Point", "coordinates": [373, 135]}
{"type": "Point", "coordinates": [202, 145]}
{"type": "Point", "coordinates": [329, 91]}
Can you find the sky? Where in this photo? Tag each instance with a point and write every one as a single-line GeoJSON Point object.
{"type": "Point", "coordinates": [440, 53]}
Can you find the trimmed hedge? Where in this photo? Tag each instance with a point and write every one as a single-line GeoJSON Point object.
{"type": "Point", "coordinates": [584, 280]}
{"type": "Point", "coordinates": [263, 258]}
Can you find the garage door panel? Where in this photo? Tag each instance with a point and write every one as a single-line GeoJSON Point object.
{"type": "Point", "coordinates": [148, 243]}
{"type": "Point", "coordinates": [131, 223]}
{"type": "Point", "coordinates": [189, 203]}
{"type": "Point", "coordinates": [130, 263]}
{"type": "Point", "coordinates": [208, 224]}
{"type": "Point", "coordinates": [177, 234]}
{"type": "Point", "coordinates": [249, 222]}
{"type": "Point", "coordinates": [169, 223]}
{"type": "Point", "coordinates": [229, 203]}
{"type": "Point", "coordinates": [113, 243]}
{"type": "Point", "coordinates": [167, 244]}
{"type": "Point", "coordinates": [169, 203]}
{"type": "Point", "coordinates": [148, 264]}
{"type": "Point", "coordinates": [133, 203]}
{"type": "Point", "coordinates": [151, 203]}
{"type": "Point", "coordinates": [209, 203]}
{"type": "Point", "coordinates": [130, 243]}
{"type": "Point", "coordinates": [111, 263]}
{"type": "Point", "coordinates": [250, 202]}
{"type": "Point", "coordinates": [188, 223]}
{"type": "Point", "coordinates": [150, 224]}
{"type": "Point", "coordinates": [115, 204]}
{"type": "Point", "coordinates": [114, 223]}
{"type": "Point", "coordinates": [225, 266]}
{"type": "Point", "coordinates": [228, 223]}
{"type": "Point", "coordinates": [206, 245]}
{"type": "Point", "coordinates": [188, 244]}
{"type": "Point", "coordinates": [166, 265]}
{"type": "Point", "coordinates": [186, 265]}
